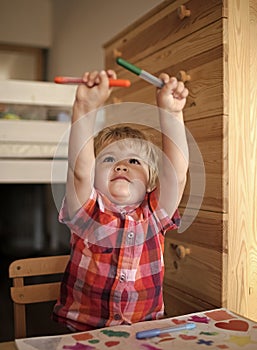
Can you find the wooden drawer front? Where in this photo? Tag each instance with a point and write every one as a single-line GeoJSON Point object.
{"type": "Point", "coordinates": [206, 92]}
{"type": "Point", "coordinates": [201, 56]}
{"type": "Point", "coordinates": [198, 274]}
{"type": "Point", "coordinates": [207, 138]}
{"type": "Point", "coordinates": [207, 229]}
{"type": "Point", "coordinates": [159, 28]}
{"type": "Point", "coordinates": [178, 303]}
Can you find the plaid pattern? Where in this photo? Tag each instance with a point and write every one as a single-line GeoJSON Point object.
{"type": "Point", "coordinates": [115, 272]}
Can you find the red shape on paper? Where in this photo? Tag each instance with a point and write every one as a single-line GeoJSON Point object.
{"type": "Point", "coordinates": [219, 315]}
{"type": "Point", "coordinates": [166, 339]}
{"type": "Point", "coordinates": [82, 336]}
{"type": "Point", "coordinates": [164, 335]}
{"type": "Point", "coordinates": [233, 325]}
{"type": "Point", "coordinates": [187, 337]}
{"type": "Point", "coordinates": [199, 319]}
{"type": "Point", "coordinates": [176, 321]}
{"type": "Point", "coordinates": [111, 343]}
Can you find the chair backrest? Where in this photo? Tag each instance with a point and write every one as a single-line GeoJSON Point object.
{"type": "Point", "coordinates": [22, 293]}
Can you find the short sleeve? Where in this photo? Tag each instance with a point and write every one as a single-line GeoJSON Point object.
{"type": "Point", "coordinates": [78, 222]}
{"type": "Point", "coordinates": [165, 222]}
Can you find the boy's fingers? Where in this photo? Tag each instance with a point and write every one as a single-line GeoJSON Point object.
{"type": "Point", "coordinates": [179, 90]}
{"type": "Point", "coordinates": [111, 74]}
{"type": "Point", "coordinates": [104, 78]}
{"type": "Point", "coordinates": [180, 87]}
{"type": "Point", "coordinates": [85, 76]}
{"type": "Point", "coordinates": [93, 78]}
{"type": "Point", "coordinates": [185, 93]}
{"type": "Point", "coordinates": [164, 77]}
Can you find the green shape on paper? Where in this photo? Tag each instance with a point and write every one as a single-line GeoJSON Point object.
{"type": "Point", "coordinates": [94, 341]}
{"type": "Point", "coordinates": [119, 334]}
{"type": "Point", "coordinates": [209, 333]}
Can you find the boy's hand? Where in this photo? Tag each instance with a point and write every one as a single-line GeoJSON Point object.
{"type": "Point", "coordinates": [172, 96]}
{"type": "Point", "coordinates": [94, 90]}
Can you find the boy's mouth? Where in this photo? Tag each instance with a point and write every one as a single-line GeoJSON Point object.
{"type": "Point", "coordinates": [120, 178]}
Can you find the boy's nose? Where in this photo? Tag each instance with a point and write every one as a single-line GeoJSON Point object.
{"type": "Point", "coordinates": [120, 167]}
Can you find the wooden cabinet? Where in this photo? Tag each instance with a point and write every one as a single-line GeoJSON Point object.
{"type": "Point", "coordinates": [205, 268]}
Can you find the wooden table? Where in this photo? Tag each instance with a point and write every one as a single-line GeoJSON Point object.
{"type": "Point", "coordinates": [215, 329]}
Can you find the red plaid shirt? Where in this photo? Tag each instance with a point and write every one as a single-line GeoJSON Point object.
{"type": "Point", "coordinates": [115, 272]}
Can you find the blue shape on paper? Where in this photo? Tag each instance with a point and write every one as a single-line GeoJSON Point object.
{"type": "Point", "coordinates": [205, 342]}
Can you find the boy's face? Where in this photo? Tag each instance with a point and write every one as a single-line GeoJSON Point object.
{"type": "Point", "coordinates": [121, 174]}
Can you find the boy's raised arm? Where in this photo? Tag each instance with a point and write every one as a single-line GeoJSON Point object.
{"type": "Point", "coordinates": [171, 99]}
{"type": "Point", "coordinates": [81, 159]}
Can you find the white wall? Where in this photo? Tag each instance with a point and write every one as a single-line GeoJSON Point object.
{"type": "Point", "coordinates": [73, 30]}
{"type": "Point", "coordinates": [81, 27]}
{"type": "Point", "coordinates": [26, 22]}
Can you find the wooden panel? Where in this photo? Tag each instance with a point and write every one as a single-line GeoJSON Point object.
{"type": "Point", "coordinates": [199, 274]}
{"type": "Point", "coordinates": [10, 345]}
{"type": "Point", "coordinates": [201, 55]}
{"type": "Point", "coordinates": [36, 293]}
{"type": "Point", "coordinates": [207, 138]}
{"type": "Point", "coordinates": [178, 303]}
{"type": "Point", "coordinates": [242, 265]}
{"type": "Point", "coordinates": [205, 90]}
{"type": "Point", "coordinates": [138, 115]}
{"type": "Point", "coordinates": [206, 229]}
{"type": "Point", "coordinates": [161, 27]}
{"type": "Point", "coordinates": [38, 266]}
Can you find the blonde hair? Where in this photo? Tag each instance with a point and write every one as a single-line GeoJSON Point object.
{"type": "Point", "coordinates": [130, 136]}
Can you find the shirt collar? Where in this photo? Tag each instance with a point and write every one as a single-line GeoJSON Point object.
{"type": "Point", "coordinates": [106, 205]}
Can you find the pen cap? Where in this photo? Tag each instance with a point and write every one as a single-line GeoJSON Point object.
{"type": "Point", "coordinates": [128, 66]}
{"type": "Point", "coordinates": [190, 326]}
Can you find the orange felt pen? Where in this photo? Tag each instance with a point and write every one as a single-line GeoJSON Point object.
{"type": "Point", "coordinates": [73, 80]}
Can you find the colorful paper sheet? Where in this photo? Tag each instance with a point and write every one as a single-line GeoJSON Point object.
{"type": "Point", "coordinates": [215, 329]}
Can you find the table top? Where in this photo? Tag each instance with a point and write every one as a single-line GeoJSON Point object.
{"type": "Point", "coordinates": [214, 329]}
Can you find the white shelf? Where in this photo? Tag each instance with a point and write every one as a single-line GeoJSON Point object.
{"type": "Point", "coordinates": [36, 93]}
{"type": "Point", "coordinates": [33, 139]}
{"type": "Point", "coordinates": [28, 147]}
{"type": "Point", "coordinates": [32, 171]}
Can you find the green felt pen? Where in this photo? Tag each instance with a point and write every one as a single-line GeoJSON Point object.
{"type": "Point", "coordinates": [141, 73]}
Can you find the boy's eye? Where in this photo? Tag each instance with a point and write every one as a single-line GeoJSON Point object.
{"type": "Point", "coordinates": [109, 159]}
{"type": "Point", "coordinates": [134, 161]}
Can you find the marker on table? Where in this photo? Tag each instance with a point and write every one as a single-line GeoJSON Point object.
{"type": "Point", "coordinates": [141, 73]}
{"type": "Point", "coordinates": [73, 80]}
{"type": "Point", "coordinates": [157, 331]}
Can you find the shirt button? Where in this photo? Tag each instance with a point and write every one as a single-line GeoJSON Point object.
{"type": "Point", "coordinates": [130, 235]}
{"type": "Point", "coordinates": [122, 278]}
{"type": "Point", "coordinates": [123, 213]}
{"type": "Point", "coordinates": [117, 317]}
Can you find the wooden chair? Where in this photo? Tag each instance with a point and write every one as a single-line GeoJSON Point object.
{"type": "Point", "coordinates": [22, 293]}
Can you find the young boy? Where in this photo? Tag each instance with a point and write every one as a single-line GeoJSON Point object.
{"type": "Point", "coordinates": [118, 206]}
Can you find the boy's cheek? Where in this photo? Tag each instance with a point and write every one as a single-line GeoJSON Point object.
{"type": "Point", "coordinates": [101, 179]}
